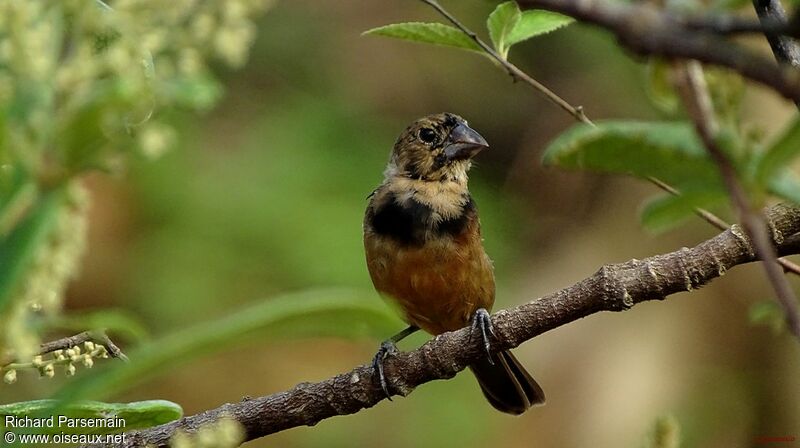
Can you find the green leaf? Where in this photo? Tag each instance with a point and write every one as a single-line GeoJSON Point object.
{"type": "Point", "coordinates": [136, 415]}
{"type": "Point", "coordinates": [780, 154]}
{"type": "Point", "coordinates": [767, 313]}
{"type": "Point", "coordinates": [535, 23]}
{"type": "Point", "coordinates": [500, 24]}
{"type": "Point", "coordinates": [428, 33]}
{"type": "Point", "coordinates": [314, 313]}
{"type": "Point", "coordinates": [669, 151]}
{"type": "Point", "coordinates": [668, 211]}
{"type": "Point", "coordinates": [18, 248]}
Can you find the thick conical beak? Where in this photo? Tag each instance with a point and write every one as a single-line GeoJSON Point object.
{"type": "Point", "coordinates": [463, 143]}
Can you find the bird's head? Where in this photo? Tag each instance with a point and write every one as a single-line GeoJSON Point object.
{"type": "Point", "coordinates": [435, 148]}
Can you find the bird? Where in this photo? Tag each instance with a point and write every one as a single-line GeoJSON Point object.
{"type": "Point", "coordinates": [424, 252]}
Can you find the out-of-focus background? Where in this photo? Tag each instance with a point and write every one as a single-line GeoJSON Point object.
{"type": "Point", "coordinates": [265, 193]}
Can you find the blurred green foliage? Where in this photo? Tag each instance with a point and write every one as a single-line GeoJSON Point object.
{"type": "Point", "coordinates": [80, 82]}
{"type": "Point", "coordinates": [313, 313]}
{"type": "Point", "coordinates": [136, 415]}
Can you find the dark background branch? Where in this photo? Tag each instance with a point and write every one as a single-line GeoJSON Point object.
{"type": "Point", "coordinates": [646, 30]}
{"type": "Point", "coordinates": [785, 49]}
{"type": "Point", "coordinates": [614, 287]}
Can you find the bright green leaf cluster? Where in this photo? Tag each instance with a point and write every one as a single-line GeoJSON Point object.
{"type": "Point", "coordinates": [507, 26]}
{"type": "Point", "coordinates": [83, 85]}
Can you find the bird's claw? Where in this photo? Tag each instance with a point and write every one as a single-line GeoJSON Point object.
{"type": "Point", "coordinates": [482, 322]}
{"type": "Point", "coordinates": [388, 348]}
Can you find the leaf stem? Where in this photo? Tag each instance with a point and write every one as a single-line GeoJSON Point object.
{"type": "Point", "coordinates": [511, 69]}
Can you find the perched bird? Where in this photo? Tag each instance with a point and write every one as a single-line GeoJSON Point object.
{"type": "Point", "coordinates": [424, 251]}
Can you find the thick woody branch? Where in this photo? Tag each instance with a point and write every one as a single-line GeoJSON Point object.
{"type": "Point", "coordinates": [648, 31]}
{"type": "Point", "coordinates": [614, 287]}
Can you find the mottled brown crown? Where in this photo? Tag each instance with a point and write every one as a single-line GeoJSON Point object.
{"type": "Point", "coordinates": [419, 152]}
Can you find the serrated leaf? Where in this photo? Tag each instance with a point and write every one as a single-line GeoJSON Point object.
{"type": "Point", "coordinates": [669, 151]}
{"type": "Point", "coordinates": [428, 33]}
{"type": "Point", "coordinates": [536, 22]}
{"type": "Point", "coordinates": [136, 415]}
{"type": "Point", "coordinates": [665, 212]}
{"type": "Point", "coordinates": [778, 156]}
{"type": "Point", "coordinates": [500, 24]}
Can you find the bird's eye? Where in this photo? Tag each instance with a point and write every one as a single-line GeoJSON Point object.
{"type": "Point", "coordinates": [427, 135]}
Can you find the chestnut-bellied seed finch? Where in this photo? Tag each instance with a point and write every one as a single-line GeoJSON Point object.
{"type": "Point", "coordinates": [424, 251]}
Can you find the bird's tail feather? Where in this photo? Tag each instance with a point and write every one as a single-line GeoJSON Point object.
{"type": "Point", "coordinates": [506, 384]}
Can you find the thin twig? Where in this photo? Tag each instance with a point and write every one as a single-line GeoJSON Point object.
{"type": "Point", "coordinates": [695, 95]}
{"type": "Point", "coordinates": [512, 69]}
{"type": "Point", "coordinates": [614, 287]}
{"type": "Point", "coordinates": [99, 337]}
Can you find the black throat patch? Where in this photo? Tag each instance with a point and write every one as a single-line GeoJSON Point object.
{"type": "Point", "coordinates": [411, 223]}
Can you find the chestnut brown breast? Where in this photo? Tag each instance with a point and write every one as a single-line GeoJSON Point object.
{"type": "Point", "coordinates": [434, 268]}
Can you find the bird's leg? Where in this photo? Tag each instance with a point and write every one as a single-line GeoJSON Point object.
{"type": "Point", "coordinates": [388, 348]}
{"type": "Point", "coordinates": [482, 322]}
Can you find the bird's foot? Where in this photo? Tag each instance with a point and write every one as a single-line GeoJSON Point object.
{"type": "Point", "coordinates": [388, 348]}
{"type": "Point", "coordinates": [482, 322]}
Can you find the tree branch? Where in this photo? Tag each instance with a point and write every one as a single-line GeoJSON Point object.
{"type": "Point", "coordinates": [99, 337]}
{"type": "Point", "coordinates": [695, 95]}
{"type": "Point", "coordinates": [614, 287]}
{"type": "Point", "coordinates": [646, 30]}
